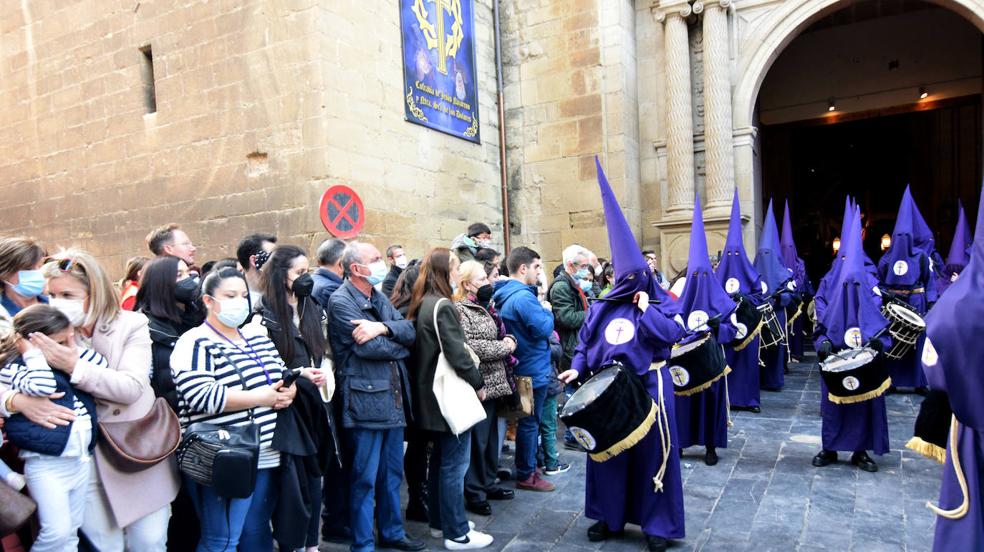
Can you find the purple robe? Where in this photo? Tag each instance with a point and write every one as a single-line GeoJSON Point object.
{"type": "Point", "coordinates": [959, 254]}
{"type": "Point", "coordinates": [772, 369]}
{"type": "Point", "coordinates": [779, 285]}
{"type": "Point", "coordinates": [743, 381]}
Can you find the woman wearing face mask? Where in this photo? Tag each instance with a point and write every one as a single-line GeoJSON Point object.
{"type": "Point", "coordinates": [295, 323]}
{"type": "Point", "coordinates": [123, 509]}
{"type": "Point", "coordinates": [439, 330]}
{"type": "Point", "coordinates": [20, 263]}
{"type": "Point", "coordinates": [207, 363]}
{"type": "Point", "coordinates": [482, 335]}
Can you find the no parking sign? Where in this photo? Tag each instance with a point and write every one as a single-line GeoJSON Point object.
{"type": "Point", "coordinates": [342, 212]}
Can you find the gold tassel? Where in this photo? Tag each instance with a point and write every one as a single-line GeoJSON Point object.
{"type": "Point", "coordinates": [630, 440]}
{"type": "Point", "coordinates": [703, 386]}
{"type": "Point", "coordinates": [861, 398]}
{"type": "Point", "coordinates": [960, 511]}
{"type": "Point", "coordinates": [750, 337]}
{"type": "Point", "coordinates": [927, 449]}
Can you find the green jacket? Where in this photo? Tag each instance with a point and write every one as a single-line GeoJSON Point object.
{"type": "Point", "coordinates": [569, 313]}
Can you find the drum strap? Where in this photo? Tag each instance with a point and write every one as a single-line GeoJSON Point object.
{"type": "Point", "coordinates": [663, 421]}
{"type": "Point", "coordinates": [960, 511]}
{"type": "Point", "coordinates": [727, 397]}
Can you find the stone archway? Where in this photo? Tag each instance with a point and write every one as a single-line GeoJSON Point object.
{"type": "Point", "coordinates": [766, 36]}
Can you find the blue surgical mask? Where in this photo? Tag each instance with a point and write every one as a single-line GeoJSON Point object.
{"type": "Point", "coordinates": [586, 285]}
{"type": "Point", "coordinates": [377, 273]}
{"type": "Point", "coordinates": [234, 311]}
{"type": "Point", "coordinates": [582, 274]}
{"type": "Point", "coordinates": [30, 283]}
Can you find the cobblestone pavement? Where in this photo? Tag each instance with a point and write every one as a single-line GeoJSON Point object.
{"type": "Point", "coordinates": [763, 495]}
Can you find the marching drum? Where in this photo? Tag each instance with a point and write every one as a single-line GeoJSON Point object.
{"type": "Point", "coordinates": [905, 329]}
{"type": "Point", "coordinates": [748, 320]}
{"type": "Point", "coordinates": [772, 334]}
{"type": "Point", "coordinates": [610, 413]}
{"type": "Point", "coordinates": [854, 375]}
{"type": "Point", "coordinates": [695, 365]}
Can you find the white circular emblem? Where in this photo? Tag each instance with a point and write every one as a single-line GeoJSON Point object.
{"type": "Point", "coordinates": [619, 331]}
{"type": "Point", "coordinates": [853, 339]}
{"type": "Point", "coordinates": [583, 438]}
{"type": "Point", "coordinates": [929, 355]}
{"type": "Point", "coordinates": [679, 320]}
{"type": "Point", "coordinates": [791, 285]}
{"type": "Point", "coordinates": [851, 383]}
{"type": "Point", "coordinates": [680, 375]}
{"type": "Point", "coordinates": [765, 288]}
{"type": "Point", "coordinates": [697, 320]}
{"type": "Point", "coordinates": [731, 285]}
{"type": "Point", "coordinates": [742, 329]}
{"type": "Point", "coordinates": [900, 268]}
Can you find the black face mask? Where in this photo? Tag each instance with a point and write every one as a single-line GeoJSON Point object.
{"type": "Point", "coordinates": [303, 286]}
{"type": "Point", "coordinates": [186, 291]}
{"type": "Point", "coordinates": [484, 294]}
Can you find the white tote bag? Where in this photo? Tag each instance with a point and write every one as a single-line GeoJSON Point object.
{"type": "Point", "coordinates": [457, 399]}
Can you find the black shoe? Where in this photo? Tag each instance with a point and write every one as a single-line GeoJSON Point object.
{"type": "Point", "coordinates": [824, 458]}
{"type": "Point", "coordinates": [417, 511]}
{"type": "Point", "coordinates": [922, 391]}
{"type": "Point", "coordinates": [656, 544]}
{"type": "Point", "coordinates": [600, 531]}
{"type": "Point", "coordinates": [755, 410]}
{"type": "Point", "coordinates": [481, 508]}
{"type": "Point", "coordinates": [500, 494]}
{"type": "Point", "coordinates": [710, 457]}
{"type": "Point", "coordinates": [403, 544]}
{"type": "Point", "coordinates": [863, 461]}
{"type": "Point", "coordinates": [337, 535]}
{"type": "Point", "coordinates": [504, 474]}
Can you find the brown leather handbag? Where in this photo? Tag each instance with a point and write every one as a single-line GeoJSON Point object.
{"type": "Point", "coordinates": [15, 509]}
{"type": "Point", "coordinates": [139, 444]}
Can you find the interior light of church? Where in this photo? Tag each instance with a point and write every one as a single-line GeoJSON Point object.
{"type": "Point", "coordinates": [886, 242]}
{"type": "Point", "coordinates": [837, 245]}
{"type": "Point", "coordinates": [831, 106]}
{"type": "Point", "coordinates": [923, 93]}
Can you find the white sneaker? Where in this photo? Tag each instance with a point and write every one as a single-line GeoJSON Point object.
{"type": "Point", "coordinates": [16, 480]}
{"type": "Point", "coordinates": [471, 541]}
{"type": "Point", "coordinates": [438, 534]}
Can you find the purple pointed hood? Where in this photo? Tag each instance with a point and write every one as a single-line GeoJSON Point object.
{"type": "Point", "coordinates": [735, 271]}
{"type": "Point", "coordinates": [963, 240]}
{"type": "Point", "coordinates": [910, 219]}
{"type": "Point", "coordinates": [853, 313]}
{"type": "Point", "coordinates": [703, 294]}
{"type": "Point", "coordinates": [768, 259]}
{"type": "Point", "coordinates": [954, 328]}
{"type": "Point", "coordinates": [790, 257]}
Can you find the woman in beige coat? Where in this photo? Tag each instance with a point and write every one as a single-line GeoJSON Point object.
{"type": "Point", "coordinates": [124, 510]}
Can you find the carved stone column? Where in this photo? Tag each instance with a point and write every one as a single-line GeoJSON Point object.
{"type": "Point", "coordinates": [719, 143]}
{"type": "Point", "coordinates": [679, 113]}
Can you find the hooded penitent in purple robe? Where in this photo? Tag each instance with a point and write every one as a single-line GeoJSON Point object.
{"type": "Point", "coordinates": [804, 288]}
{"type": "Point", "coordinates": [621, 490]}
{"type": "Point", "coordinates": [959, 254]}
{"type": "Point", "coordinates": [736, 273]}
{"type": "Point", "coordinates": [952, 360]}
{"type": "Point", "coordinates": [905, 271]}
{"type": "Point", "coordinates": [702, 418]}
{"type": "Point", "coordinates": [851, 320]}
{"type": "Point", "coordinates": [778, 287]}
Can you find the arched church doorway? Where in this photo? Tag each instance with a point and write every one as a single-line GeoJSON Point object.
{"type": "Point", "coordinates": [867, 99]}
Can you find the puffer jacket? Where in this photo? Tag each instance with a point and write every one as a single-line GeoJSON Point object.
{"type": "Point", "coordinates": [482, 335]}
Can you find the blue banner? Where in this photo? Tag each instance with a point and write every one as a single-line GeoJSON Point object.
{"type": "Point", "coordinates": [439, 85]}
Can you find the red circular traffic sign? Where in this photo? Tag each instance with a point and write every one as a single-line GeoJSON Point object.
{"type": "Point", "coordinates": [342, 212]}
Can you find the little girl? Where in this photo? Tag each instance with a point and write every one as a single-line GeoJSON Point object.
{"type": "Point", "coordinates": [56, 461]}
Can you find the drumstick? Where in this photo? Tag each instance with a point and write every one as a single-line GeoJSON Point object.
{"type": "Point", "coordinates": [628, 300]}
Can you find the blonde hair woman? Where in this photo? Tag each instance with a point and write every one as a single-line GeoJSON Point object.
{"type": "Point", "coordinates": [124, 509]}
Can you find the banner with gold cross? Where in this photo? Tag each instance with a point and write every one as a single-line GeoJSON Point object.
{"type": "Point", "coordinates": [439, 76]}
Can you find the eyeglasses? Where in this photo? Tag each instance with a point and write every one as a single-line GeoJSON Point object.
{"type": "Point", "coordinates": [64, 265]}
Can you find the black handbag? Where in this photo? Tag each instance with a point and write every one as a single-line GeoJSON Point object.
{"type": "Point", "coordinates": [222, 457]}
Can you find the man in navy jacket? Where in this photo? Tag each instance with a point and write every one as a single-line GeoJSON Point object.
{"type": "Point", "coordinates": [370, 341]}
{"type": "Point", "coordinates": [532, 324]}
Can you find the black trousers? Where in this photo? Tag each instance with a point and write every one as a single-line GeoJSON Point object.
{"type": "Point", "coordinates": [480, 477]}
{"type": "Point", "coordinates": [415, 463]}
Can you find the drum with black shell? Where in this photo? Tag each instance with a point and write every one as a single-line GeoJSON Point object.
{"type": "Point", "coordinates": [855, 375]}
{"type": "Point", "coordinates": [747, 320]}
{"type": "Point", "coordinates": [610, 412]}
{"type": "Point", "coordinates": [696, 364]}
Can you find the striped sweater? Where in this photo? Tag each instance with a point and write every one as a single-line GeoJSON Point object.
{"type": "Point", "coordinates": [31, 375]}
{"type": "Point", "coordinates": [200, 364]}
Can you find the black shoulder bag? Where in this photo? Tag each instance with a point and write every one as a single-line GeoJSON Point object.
{"type": "Point", "coordinates": [222, 457]}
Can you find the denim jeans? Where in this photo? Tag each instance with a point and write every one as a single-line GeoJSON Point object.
{"type": "Point", "coordinates": [527, 432]}
{"type": "Point", "coordinates": [548, 433]}
{"type": "Point", "coordinates": [446, 483]}
{"type": "Point", "coordinates": [377, 465]}
{"type": "Point", "coordinates": [59, 484]}
{"type": "Point", "coordinates": [230, 524]}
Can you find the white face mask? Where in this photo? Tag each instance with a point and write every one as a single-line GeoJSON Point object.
{"type": "Point", "coordinates": [401, 262]}
{"type": "Point", "coordinates": [73, 309]}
